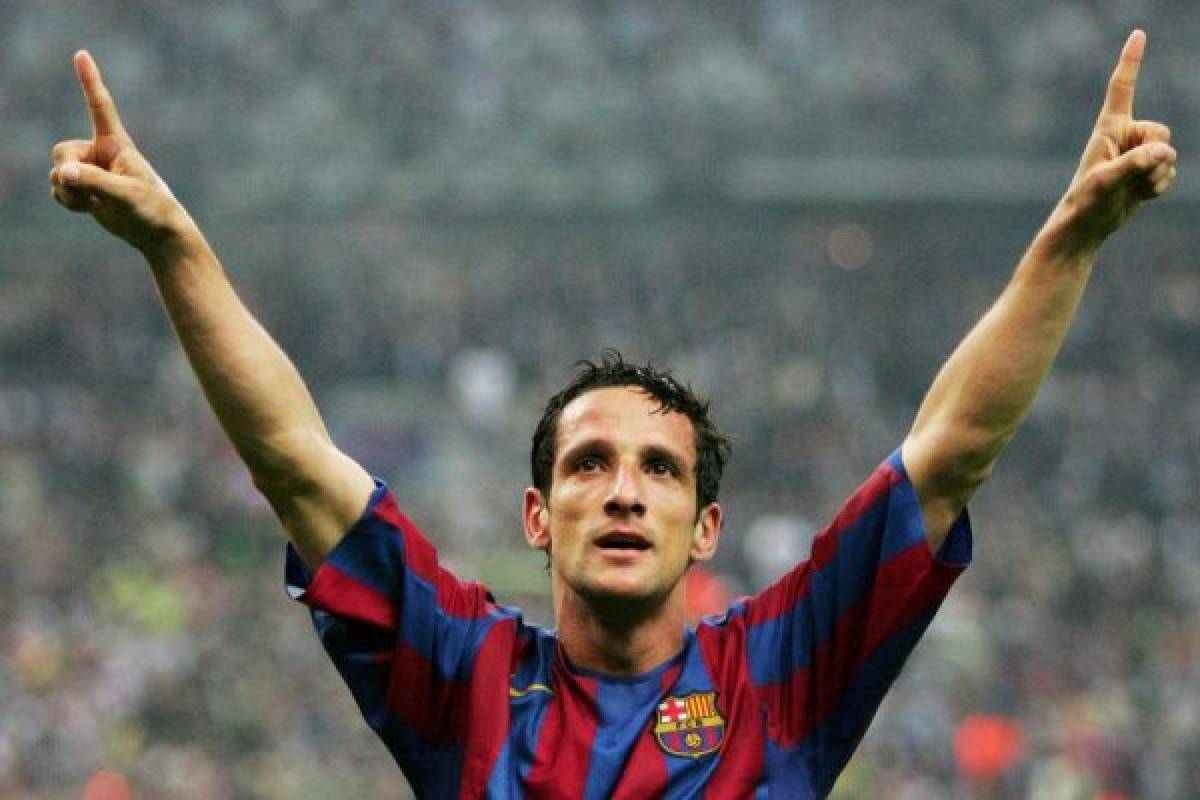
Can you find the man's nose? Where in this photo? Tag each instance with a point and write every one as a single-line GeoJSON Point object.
{"type": "Point", "coordinates": [625, 494]}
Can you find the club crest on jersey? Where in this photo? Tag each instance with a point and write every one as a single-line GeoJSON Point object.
{"type": "Point", "coordinates": [689, 726]}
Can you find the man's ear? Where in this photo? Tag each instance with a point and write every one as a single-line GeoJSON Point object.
{"type": "Point", "coordinates": [707, 532]}
{"type": "Point", "coordinates": [536, 517]}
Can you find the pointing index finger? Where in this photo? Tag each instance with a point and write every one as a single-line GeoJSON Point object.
{"type": "Point", "coordinates": [1119, 99]}
{"type": "Point", "coordinates": [105, 121]}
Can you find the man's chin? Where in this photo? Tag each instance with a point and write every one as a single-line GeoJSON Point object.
{"type": "Point", "coordinates": [627, 599]}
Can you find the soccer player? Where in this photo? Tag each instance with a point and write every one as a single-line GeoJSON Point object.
{"type": "Point", "coordinates": [622, 699]}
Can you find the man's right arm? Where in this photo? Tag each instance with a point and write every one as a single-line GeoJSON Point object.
{"type": "Point", "coordinates": [257, 394]}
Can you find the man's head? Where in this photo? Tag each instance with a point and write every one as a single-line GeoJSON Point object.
{"type": "Point", "coordinates": [711, 446]}
{"type": "Point", "coordinates": [626, 466]}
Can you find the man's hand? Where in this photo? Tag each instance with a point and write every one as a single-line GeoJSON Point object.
{"type": "Point", "coordinates": [107, 177]}
{"type": "Point", "coordinates": [984, 390]}
{"type": "Point", "coordinates": [1126, 162]}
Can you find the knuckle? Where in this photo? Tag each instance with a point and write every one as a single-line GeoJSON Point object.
{"type": "Point", "coordinates": [69, 200]}
{"type": "Point", "coordinates": [1085, 193]}
{"type": "Point", "coordinates": [1093, 184]}
{"type": "Point", "coordinates": [71, 150]}
{"type": "Point", "coordinates": [1145, 159]}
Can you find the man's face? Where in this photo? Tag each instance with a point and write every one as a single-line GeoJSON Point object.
{"type": "Point", "coordinates": [621, 520]}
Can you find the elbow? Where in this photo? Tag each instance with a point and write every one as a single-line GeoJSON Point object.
{"type": "Point", "coordinates": [281, 466]}
{"type": "Point", "coordinates": [950, 463]}
{"type": "Point", "coordinates": [957, 482]}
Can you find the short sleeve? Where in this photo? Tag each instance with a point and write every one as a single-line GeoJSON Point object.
{"type": "Point", "coordinates": [827, 640]}
{"type": "Point", "coordinates": [403, 632]}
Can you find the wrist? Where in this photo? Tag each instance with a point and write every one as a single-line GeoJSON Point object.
{"type": "Point", "coordinates": [173, 242]}
{"type": "Point", "coordinates": [1069, 234]}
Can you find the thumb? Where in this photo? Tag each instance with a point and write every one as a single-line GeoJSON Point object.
{"type": "Point", "coordinates": [92, 179]}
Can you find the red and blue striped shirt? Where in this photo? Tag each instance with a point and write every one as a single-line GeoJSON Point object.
{"type": "Point", "coordinates": [768, 699]}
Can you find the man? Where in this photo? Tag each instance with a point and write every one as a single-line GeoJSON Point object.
{"type": "Point", "coordinates": [623, 699]}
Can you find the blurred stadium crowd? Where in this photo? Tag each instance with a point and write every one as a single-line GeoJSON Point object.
{"type": "Point", "coordinates": [439, 208]}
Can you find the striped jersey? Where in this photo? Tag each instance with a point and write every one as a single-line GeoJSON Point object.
{"type": "Point", "coordinates": [768, 699]}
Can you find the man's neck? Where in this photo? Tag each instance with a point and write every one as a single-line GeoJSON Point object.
{"type": "Point", "coordinates": [620, 641]}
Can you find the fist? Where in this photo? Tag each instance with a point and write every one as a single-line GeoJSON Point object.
{"type": "Point", "coordinates": [107, 177]}
{"type": "Point", "coordinates": [1126, 162]}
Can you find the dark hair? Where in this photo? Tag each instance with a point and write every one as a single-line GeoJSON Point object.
{"type": "Point", "coordinates": [712, 447]}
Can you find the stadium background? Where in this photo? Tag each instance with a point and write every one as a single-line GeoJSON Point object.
{"type": "Point", "coordinates": [438, 207]}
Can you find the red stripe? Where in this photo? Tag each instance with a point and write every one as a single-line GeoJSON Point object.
{"type": "Point", "coordinates": [341, 593]}
{"type": "Point", "coordinates": [645, 773]}
{"type": "Point", "coordinates": [873, 489]}
{"type": "Point", "coordinates": [781, 597]}
{"type": "Point", "coordinates": [420, 556]}
{"type": "Point", "coordinates": [432, 706]}
{"type": "Point", "coordinates": [744, 748]}
{"type": "Point", "coordinates": [487, 727]}
{"type": "Point", "coordinates": [564, 746]}
{"type": "Point", "coordinates": [905, 588]}
{"type": "Point", "coordinates": [460, 599]}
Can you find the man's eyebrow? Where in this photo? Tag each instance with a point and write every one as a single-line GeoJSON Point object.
{"type": "Point", "coordinates": [657, 452]}
{"type": "Point", "coordinates": [593, 446]}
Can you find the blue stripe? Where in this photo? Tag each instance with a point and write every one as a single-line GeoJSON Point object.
{"type": "Point", "coordinates": [686, 777]}
{"type": "Point", "coordinates": [367, 553]}
{"type": "Point", "coordinates": [890, 526]}
{"type": "Point", "coordinates": [622, 711]}
{"type": "Point", "coordinates": [361, 655]}
{"type": "Point", "coordinates": [956, 549]}
{"type": "Point", "coordinates": [837, 737]}
{"type": "Point", "coordinates": [526, 716]}
{"type": "Point", "coordinates": [788, 772]}
{"type": "Point", "coordinates": [905, 523]}
{"type": "Point", "coordinates": [373, 552]}
{"type": "Point", "coordinates": [298, 576]}
{"type": "Point", "coordinates": [362, 553]}
{"type": "Point", "coordinates": [449, 643]}
{"type": "Point", "coordinates": [503, 782]}
{"type": "Point", "coordinates": [625, 706]}
{"type": "Point", "coordinates": [432, 770]}
{"type": "Point", "coordinates": [780, 646]}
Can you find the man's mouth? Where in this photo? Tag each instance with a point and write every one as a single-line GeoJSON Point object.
{"type": "Point", "coordinates": [622, 540]}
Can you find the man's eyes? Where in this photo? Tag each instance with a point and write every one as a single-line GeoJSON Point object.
{"type": "Point", "coordinates": [588, 464]}
{"type": "Point", "coordinates": [657, 466]}
{"type": "Point", "coordinates": [661, 467]}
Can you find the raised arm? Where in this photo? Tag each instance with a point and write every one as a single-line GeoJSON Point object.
{"type": "Point", "coordinates": [255, 391]}
{"type": "Point", "coordinates": [982, 393]}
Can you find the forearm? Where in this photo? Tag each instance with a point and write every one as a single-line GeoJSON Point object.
{"type": "Point", "coordinates": [983, 392]}
{"type": "Point", "coordinates": [256, 393]}
{"type": "Point", "coordinates": [985, 389]}
{"type": "Point", "coordinates": [258, 396]}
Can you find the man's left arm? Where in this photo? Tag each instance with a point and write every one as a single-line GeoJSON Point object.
{"type": "Point", "coordinates": [982, 393]}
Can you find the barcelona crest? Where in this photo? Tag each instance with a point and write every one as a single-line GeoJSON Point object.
{"type": "Point", "coordinates": [689, 726]}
